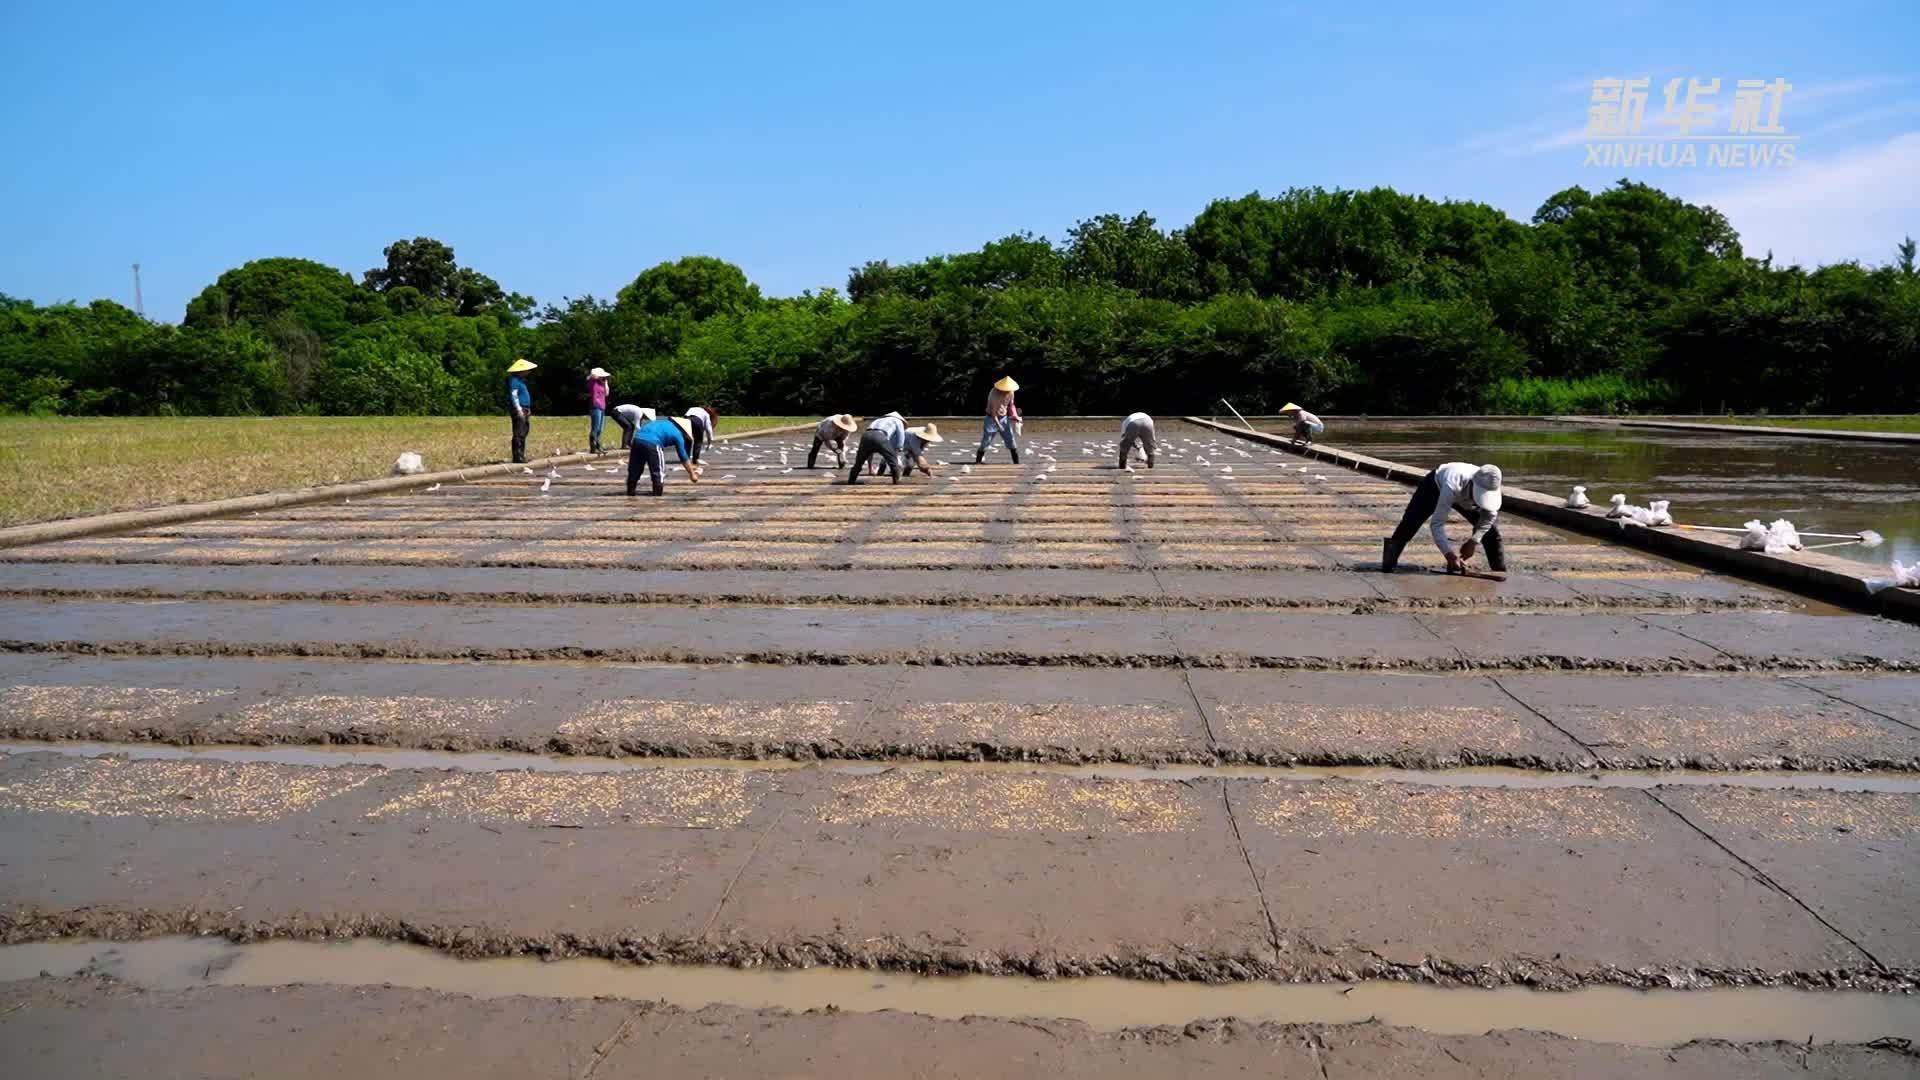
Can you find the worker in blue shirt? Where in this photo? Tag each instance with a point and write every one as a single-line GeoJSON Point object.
{"type": "Point", "coordinates": [649, 452]}
{"type": "Point", "coordinates": [520, 405]}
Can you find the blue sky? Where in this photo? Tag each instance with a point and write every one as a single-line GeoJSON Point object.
{"type": "Point", "coordinates": [563, 148]}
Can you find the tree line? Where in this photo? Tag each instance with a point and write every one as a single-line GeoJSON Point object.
{"type": "Point", "coordinates": [1624, 300]}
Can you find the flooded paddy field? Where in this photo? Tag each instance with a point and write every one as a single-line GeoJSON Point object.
{"type": "Point", "coordinates": [1145, 772]}
{"type": "Point", "coordinates": [1712, 478]}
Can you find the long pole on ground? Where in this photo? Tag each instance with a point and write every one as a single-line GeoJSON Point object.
{"type": "Point", "coordinates": [1236, 414]}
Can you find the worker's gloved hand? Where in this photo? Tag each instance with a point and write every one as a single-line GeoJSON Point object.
{"type": "Point", "coordinates": [1455, 564]}
{"type": "Point", "coordinates": [1467, 549]}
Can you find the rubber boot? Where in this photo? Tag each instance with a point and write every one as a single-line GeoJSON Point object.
{"type": "Point", "coordinates": [1016, 456]}
{"type": "Point", "coordinates": [1389, 556]}
{"type": "Point", "coordinates": [980, 455]}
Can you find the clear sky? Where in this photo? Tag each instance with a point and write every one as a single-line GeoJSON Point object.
{"type": "Point", "coordinates": [562, 148]}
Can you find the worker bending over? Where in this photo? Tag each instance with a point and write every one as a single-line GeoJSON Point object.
{"type": "Point", "coordinates": [701, 420]}
{"type": "Point", "coordinates": [1003, 416]}
{"type": "Point", "coordinates": [1305, 424]}
{"type": "Point", "coordinates": [1474, 490]}
{"type": "Point", "coordinates": [832, 433]}
{"type": "Point", "coordinates": [892, 441]}
{"type": "Point", "coordinates": [649, 452]}
{"type": "Point", "coordinates": [1136, 430]}
{"type": "Point", "coordinates": [629, 418]}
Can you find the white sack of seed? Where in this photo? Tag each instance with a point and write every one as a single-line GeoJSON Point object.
{"type": "Point", "coordinates": [1657, 516]}
{"type": "Point", "coordinates": [1773, 539]}
{"type": "Point", "coordinates": [408, 464]}
{"type": "Point", "coordinates": [1578, 500]}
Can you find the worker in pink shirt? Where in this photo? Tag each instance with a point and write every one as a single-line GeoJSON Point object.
{"type": "Point", "coordinates": [596, 406]}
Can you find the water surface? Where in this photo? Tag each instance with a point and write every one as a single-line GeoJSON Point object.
{"type": "Point", "coordinates": [1712, 478]}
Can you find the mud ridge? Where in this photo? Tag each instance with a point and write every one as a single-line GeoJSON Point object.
{"type": "Point", "coordinates": [1652, 602]}
{"type": "Point", "coordinates": [884, 751]}
{"type": "Point", "coordinates": [979, 658]}
{"type": "Point", "coordinates": [1337, 965]}
{"type": "Point", "coordinates": [824, 560]}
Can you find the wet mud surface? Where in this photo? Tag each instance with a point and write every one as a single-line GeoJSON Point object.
{"type": "Point", "coordinates": [90, 1028]}
{"type": "Point", "coordinates": [891, 712]}
{"type": "Point", "coordinates": [1221, 611]}
{"type": "Point", "coordinates": [922, 871]}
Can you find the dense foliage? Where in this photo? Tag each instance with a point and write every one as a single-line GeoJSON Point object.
{"type": "Point", "coordinates": [1353, 301]}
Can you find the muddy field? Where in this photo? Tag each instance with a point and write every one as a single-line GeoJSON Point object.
{"type": "Point", "coordinates": [1055, 721]}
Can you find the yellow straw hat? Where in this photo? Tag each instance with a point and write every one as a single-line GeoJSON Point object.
{"type": "Point", "coordinates": [843, 421]}
{"type": "Point", "coordinates": [1006, 383]}
{"type": "Point", "coordinates": [929, 434]}
{"type": "Point", "coordinates": [522, 364]}
{"type": "Point", "coordinates": [1289, 407]}
{"type": "Point", "coordinates": [685, 426]}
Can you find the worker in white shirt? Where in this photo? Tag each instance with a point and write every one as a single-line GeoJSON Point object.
{"type": "Point", "coordinates": [630, 417]}
{"type": "Point", "coordinates": [1137, 429]}
{"type": "Point", "coordinates": [832, 433]}
{"type": "Point", "coordinates": [1474, 490]}
{"type": "Point", "coordinates": [1305, 424]}
{"type": "Point", "coordinates": [702, 419]}
{"type": "Point", "coordinates": [890, 440]}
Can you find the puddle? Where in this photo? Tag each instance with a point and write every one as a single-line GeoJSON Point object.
{"type": "Point", "coordinates": [1603, 1014]}
{"type": "Point", "coordinates": [1472, 777]}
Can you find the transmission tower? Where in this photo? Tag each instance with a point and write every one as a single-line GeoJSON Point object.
{"type": "Point", "coordinates": [139, 308]}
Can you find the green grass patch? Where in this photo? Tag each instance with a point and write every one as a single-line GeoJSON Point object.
{"type": "Point", "coordinates": [1594, 395]}
{"type": "Point", "coordinates": [58, 467]}
{"type": "Point", "coordinates": [1909, 425]}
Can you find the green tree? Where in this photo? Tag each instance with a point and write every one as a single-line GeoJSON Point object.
{"type": "Point", "coordinates": [428, 267]}
{"type": "Point", "coordinates": [193, 371]}
{"type": "Point", "coordinates": [386, 377]}
{"type": "Point", "coordinates": [1130, 253]}
{"type": "Point", "coordinates": [691, 289]}
{"type": "Point", "coordinates": [320, 299]}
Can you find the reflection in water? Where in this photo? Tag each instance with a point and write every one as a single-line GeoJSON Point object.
{"type": "Point", "coordinates": [1712, 478]}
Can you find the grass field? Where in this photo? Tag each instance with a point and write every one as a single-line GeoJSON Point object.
{"type": "Point", "coordinates": [1905, 424]}
{"type": "Point", "coordinates": [57, 467]}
